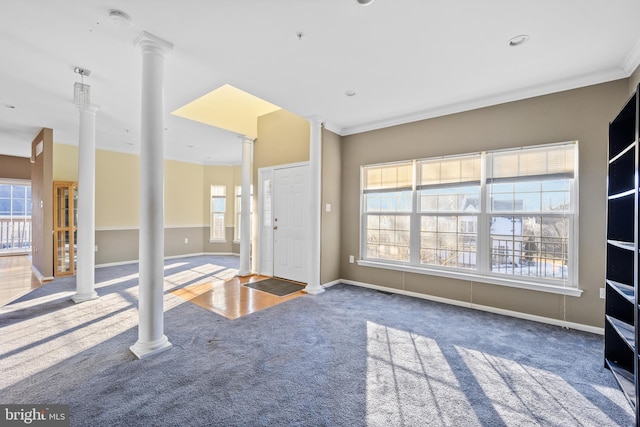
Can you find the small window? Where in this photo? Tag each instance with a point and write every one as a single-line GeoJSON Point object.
{"type": "Point", "coordinates": [218, 209]}
{"type": "Point", "coordinates": [239, 210]}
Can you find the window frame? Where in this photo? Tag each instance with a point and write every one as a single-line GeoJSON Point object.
{"type": "Point", "coordinates": [483, 272]}
{"type": "Point", "coordinates": [212, 213]}
{"type": "Point", "coordinates": [238, 210]}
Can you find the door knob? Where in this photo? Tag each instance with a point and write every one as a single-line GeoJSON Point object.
{"type": "Point", "coordinates": [275, 227]}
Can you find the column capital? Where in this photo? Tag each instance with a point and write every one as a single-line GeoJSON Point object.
{"type": "Point", "coordinates": [248, 139]}
{"type": "Point", "coordinates": [150, 43]}
{"type": "Point", "coordinates": [314, 119]}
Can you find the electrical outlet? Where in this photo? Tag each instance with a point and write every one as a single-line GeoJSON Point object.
{"type": "Point", "coordinates": [96, 248]}
{"type": "Point", "coordinates": [351, 259]}
{"type": "Point", "coordinates": [186, 240]}
{"type": "Point", "coordinates": [602, 293]}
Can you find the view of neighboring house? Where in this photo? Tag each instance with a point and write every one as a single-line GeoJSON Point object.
{"type": "Point", "coordinates": [15, 217]}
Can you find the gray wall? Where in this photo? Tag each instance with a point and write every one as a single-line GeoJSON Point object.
{"type": "Point", "coordinates": [582, 114]}
{"type": "Point", "coordinates": [15, 167]}
{"type": "Point", "coordinates": [118, 246]}
{"type": "Point", "coordinates": [331, 188]}
{"type": "Point", "coordinates": [42, 198]}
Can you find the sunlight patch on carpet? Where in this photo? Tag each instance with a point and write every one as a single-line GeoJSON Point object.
{"type": "Point", "coordinates": [523, 393]}
{"type": "Point", "coordinates": [408, 376]}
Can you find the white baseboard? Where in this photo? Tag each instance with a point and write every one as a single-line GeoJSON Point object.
{"type": "Point", "coordinates": [329, 284]}
{"type": "Point", "coordinates": [489, 309]}
{"type": "Point", "coordinates": [39, 275]}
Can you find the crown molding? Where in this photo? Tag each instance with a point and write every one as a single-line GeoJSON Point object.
{"type": "Point", "coordinates": [632, 61]}
{"type": "Point", "coordinates": [488, 101]}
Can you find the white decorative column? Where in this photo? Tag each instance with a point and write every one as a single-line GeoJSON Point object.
{"type": "Point", "coordinates": [315, 201]}
{"type": "Point", "coordinates": [85, 271]}
{"type": "Point", "coordinates": [245, 209]}
{"type": "Point", "coordinates": [151, 338]}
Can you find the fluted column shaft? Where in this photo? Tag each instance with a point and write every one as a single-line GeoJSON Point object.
{"type": "Point", "coordinates": [315, 202]}
{"type": "Point", "coordinates": [85, 271]}
{"type": "Point", "coordinates": [151, 338]}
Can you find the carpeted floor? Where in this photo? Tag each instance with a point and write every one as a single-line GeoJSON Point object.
{"type": "Point", "coordinates": [347, 357]}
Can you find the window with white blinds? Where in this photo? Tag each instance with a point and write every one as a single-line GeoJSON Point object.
{"type": "Point", "coordinates": [387, 195]}
{"type": "Point", "coordinates": [218, 209]}
{"type": "Point", "coordinates": [507, 214]}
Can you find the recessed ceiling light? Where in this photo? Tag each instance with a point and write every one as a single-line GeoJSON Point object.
{"type": "Point", "coordinates": [190, 146]}
{"type": "Point", "coordinates": [365, 2]}
{"type": "Point", "coordinates": [119, 18]}
{"type": "Point", "coordinates": [350, 93]}
{"type": "Point", "coordinates": [9, 106]}
{"type": "Point", "coordinates": [518, 40]}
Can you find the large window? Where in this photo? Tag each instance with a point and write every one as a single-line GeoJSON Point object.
{"type": "Point", "coordinates": [218, 209]}
{"type": "Point", "coordinates": [503, 215]}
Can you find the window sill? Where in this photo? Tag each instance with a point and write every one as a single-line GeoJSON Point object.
{"type": "Point", "coordinates": [217, 240]}
{"type": "Point", "coordinates": [492, 280]}
{"type": "Point", "coordinates": [236, 242]}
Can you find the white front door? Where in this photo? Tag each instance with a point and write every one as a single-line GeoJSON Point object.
{"type": "Point", "coordinates": [290, 223]}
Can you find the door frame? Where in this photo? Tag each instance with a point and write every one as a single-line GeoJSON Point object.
{"type": "Point", "coordinates": [264, 240]}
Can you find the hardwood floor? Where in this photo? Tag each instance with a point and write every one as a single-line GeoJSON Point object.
{"type": "Point", "coordinates": [16, 278]}
{"type": "Point", "coordinates": [227, 298]}
{"type": "Point", "coordinates": [230, 299]}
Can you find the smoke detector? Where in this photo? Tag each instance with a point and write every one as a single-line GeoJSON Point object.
{"type": "Point", "coordinates": [119, 18]}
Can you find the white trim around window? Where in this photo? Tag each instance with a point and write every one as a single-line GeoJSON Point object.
{"type": "Point", "coordinates": [505, 217]}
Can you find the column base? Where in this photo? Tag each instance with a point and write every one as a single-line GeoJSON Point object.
{"type": "Point", "coordinates": [78, 297]}
{"type": "Point", "coordinates": [313, 289]}
{"type": "Point", "coordinates": [244, 274]}
{"type": "Point", "coordinates": [143, 350]}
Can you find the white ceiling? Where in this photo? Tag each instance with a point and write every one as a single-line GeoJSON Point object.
{"type": "Point", "coordinates": [405, 59]}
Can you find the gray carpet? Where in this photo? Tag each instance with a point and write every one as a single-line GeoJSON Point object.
{"type": "Point", "coordinates": [347, 357]}
{"type": "Point", "coordinates": [275, 287]}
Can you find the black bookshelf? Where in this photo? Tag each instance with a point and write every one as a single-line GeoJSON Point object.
{"type": "Point", "coordinates": [621, 306]}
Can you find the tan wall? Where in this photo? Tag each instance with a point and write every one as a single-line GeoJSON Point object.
{"type": "Point", "coordinates": [12, 167]}
{"type": "Point", "coordinates": [331, 188]}
{"type": "Point", "coordinates": [634, 80]}
{"type": "Point", "coordinates": [581, 114]}
{"type": "Point", "coordinates": [186, 201]}
{"type": "Point", "coordinates": [283, 137]}
{"type": "Point", "coordinates": [65, 162]}
{"type": "Point", "coordinates": [117, 190]}
{"type": "Point", "coordinates": [183, 188]}
{"type": "Point", "coordinates": [42, 198]}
